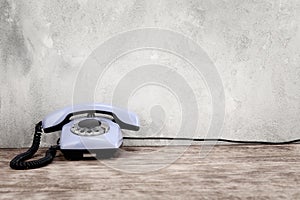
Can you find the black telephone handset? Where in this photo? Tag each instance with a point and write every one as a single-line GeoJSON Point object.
{"type": "Point", "coordinates": [83, 132]}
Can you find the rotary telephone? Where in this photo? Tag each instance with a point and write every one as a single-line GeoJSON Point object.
{"type": "Point", "coordinates": [87, 131]}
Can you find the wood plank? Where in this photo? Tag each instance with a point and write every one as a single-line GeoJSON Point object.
{"type": "Point", "coordinates": [227, 172]}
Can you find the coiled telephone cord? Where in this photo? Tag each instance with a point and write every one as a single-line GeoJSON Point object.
{"type": "Point", "coordinates": [19, 162]}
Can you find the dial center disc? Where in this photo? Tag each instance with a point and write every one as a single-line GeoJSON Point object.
{"type": "Point", "coordinates": [89, 123]}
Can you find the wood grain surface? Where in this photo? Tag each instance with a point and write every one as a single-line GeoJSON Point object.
{"type": "Point", "coordinates": [225, 172]}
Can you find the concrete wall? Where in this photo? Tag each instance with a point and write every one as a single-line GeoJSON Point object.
{"type": "Point", "coordinates": [254, 45]}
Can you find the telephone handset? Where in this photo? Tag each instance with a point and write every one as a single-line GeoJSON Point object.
{"type": "Point", "coordinates": [56, 120]}
{"type": "Point", "coordinates": [89, 129]}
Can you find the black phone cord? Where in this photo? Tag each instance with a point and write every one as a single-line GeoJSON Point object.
{"type": "Point", "coordinates": [19, 162]}
{"type": "Point", "coordinates": [214, 140]}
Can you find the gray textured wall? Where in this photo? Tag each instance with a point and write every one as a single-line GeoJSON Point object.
{"type": "Point", "coordinates": [255, 46]}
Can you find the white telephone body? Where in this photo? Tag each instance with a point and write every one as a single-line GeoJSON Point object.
{"type": "Point", "coordinates": [87, 129]}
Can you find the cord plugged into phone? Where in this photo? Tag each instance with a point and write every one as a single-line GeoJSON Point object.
{"type": "Point", "coordinates": [90, 130]}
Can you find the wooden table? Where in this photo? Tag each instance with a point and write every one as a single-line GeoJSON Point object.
{"type": "Point", "coordinates": [227, 172]}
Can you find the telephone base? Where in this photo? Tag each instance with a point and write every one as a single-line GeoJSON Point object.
{"type": "Point", "coordinates": [91, 154]}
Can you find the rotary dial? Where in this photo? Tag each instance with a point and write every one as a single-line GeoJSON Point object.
{"type": "Point", "coordinates": [89, 127]}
